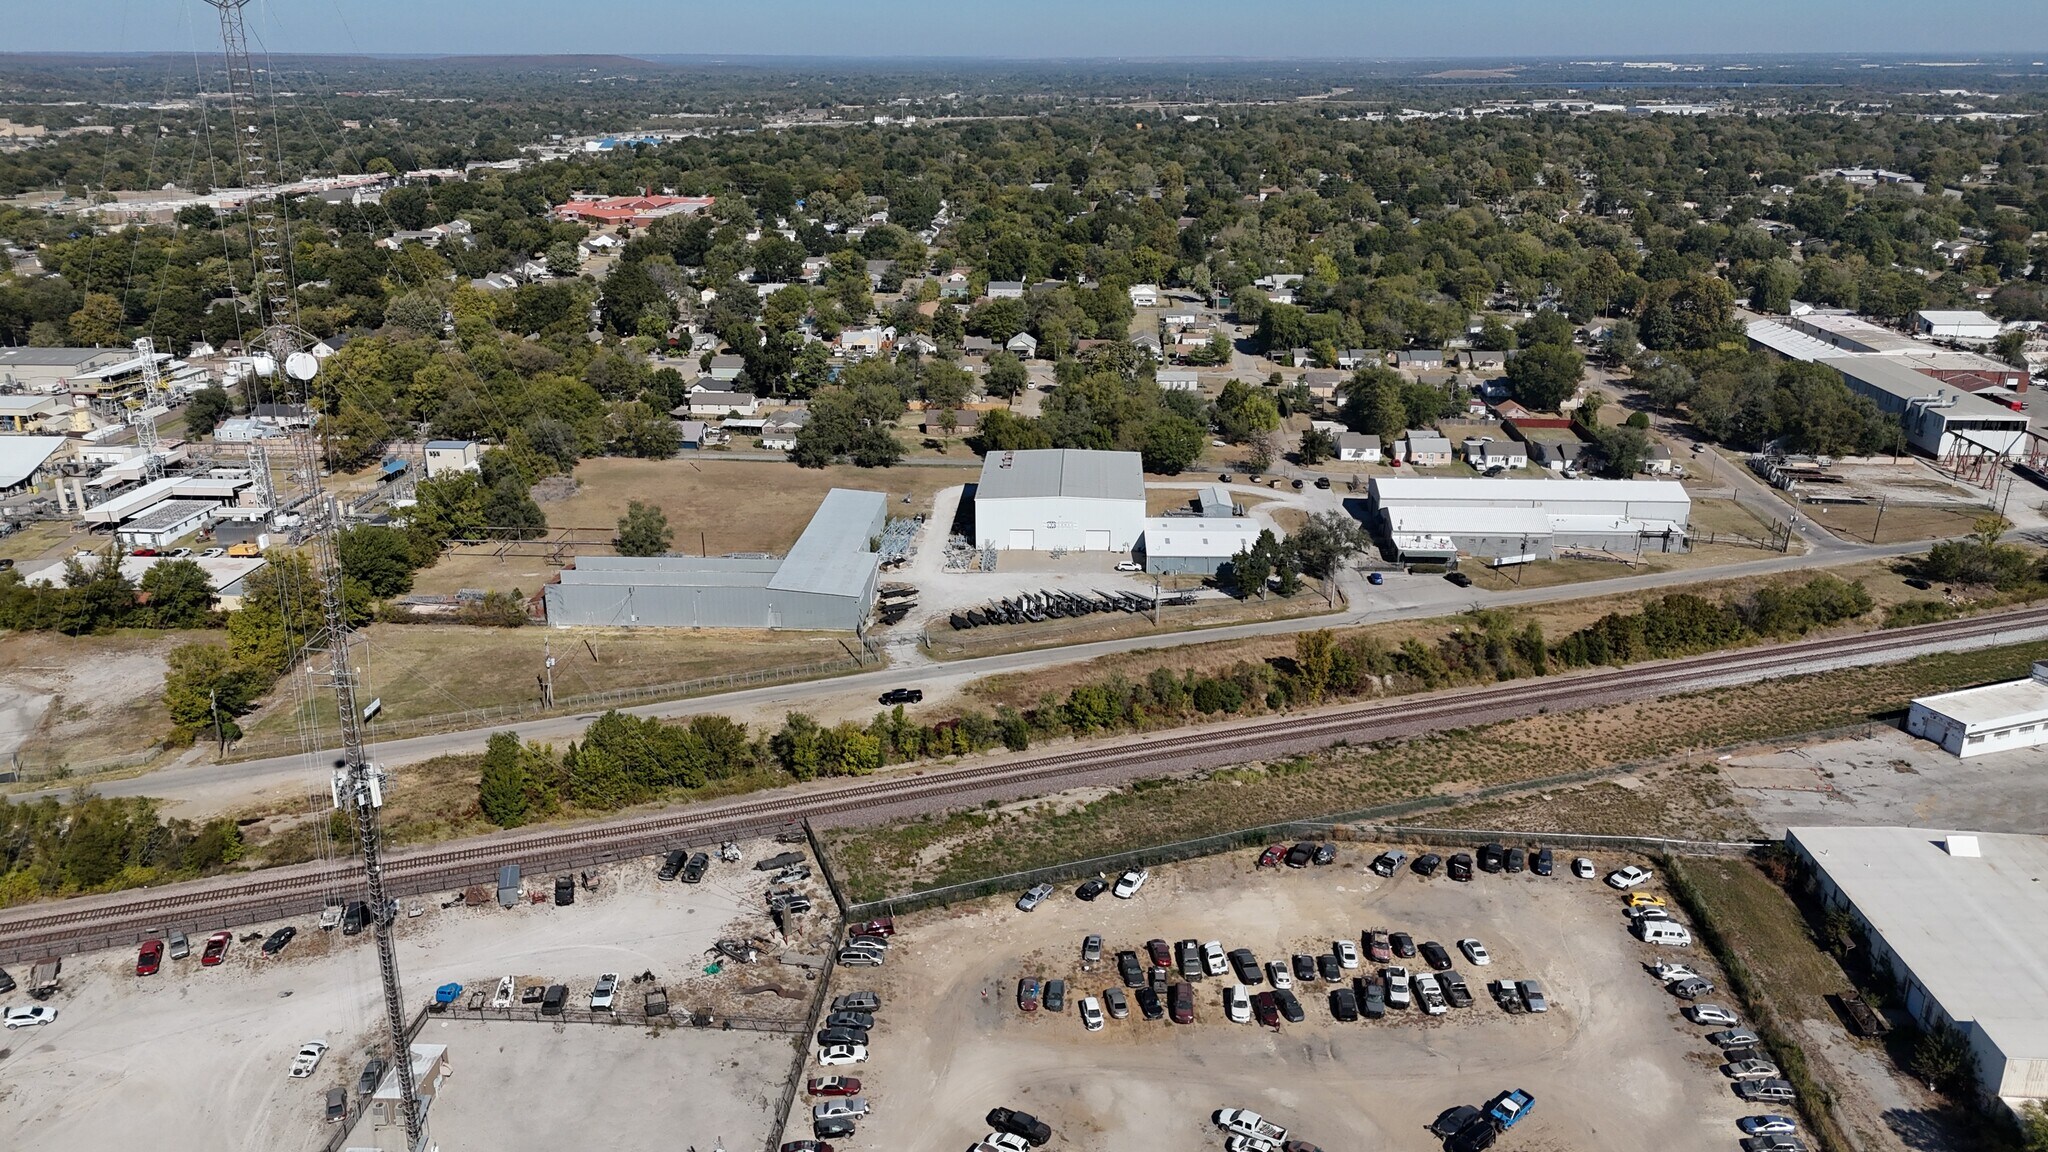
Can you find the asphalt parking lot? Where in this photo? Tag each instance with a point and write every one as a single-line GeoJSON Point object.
{"type": "Point", "coordinates": [1612, 1065]}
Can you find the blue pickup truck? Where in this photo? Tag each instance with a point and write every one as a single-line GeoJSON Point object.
{"type": "Point", "coordinates": [1508, 1108]}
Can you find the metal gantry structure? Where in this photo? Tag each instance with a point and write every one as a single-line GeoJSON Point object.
{"type": "Point", "coordinates": [144, 418]}
{"type": "Point", "coordinates": [358, 784]}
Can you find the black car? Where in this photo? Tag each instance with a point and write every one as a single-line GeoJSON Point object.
{"type": "Point", "coordinates": [830, 1036]}
{"type": "Point", "coordinates": [1477, 1135]}
{"type": "Point", "coordinates": [694, 871]}
{"type": "Point", "coordinates": [373, 1075]}
{"type": "Point", "coordinates": [1127, 967]}
{"type": "Point", "coordinates": [6, 981]}
{"type": "Point", "coordinates": [1091, 889]}
{"type": "Point", "coordinates": [1031, 1128]}
{"type": "Point", "coordinates": [903, 696]}
{"type": "Point", "coordinates": [1148, 1003]}
{"type": "Point", "coordinates": [278, 940]}
{"type": "Point", "coordinates": [672, 865]}
{"type": "Point", "coordinates": [1427, 864]}
{"type": "Point", "coordinates": [1459, 868]}
{"type": "Point", "coordinates": [1304, 966]}
{"type": "Point", "coordinates": [1326, 853]}
{"type": "Point", "coordinates": [355, 918]}
{"type": "Point", "coordinates": [1372, 998]}
{"type": "Point", "coordinates": [1403, 945]}
{"type": "Point", "coordinates": [837, 1128]}
{"type": "Point", "coordinates": [1332, 970]}
{"type": "Point", "coordinates": [1055, 998]}
{"type": "Point", "coordinates": [1452, 1119]}
{"type": "Point", "coordinates": [1300, 855]}
{"type": "Point", "coordinates": [1344, 1004]}
{"type": "Point", "coordinates": [1290, 1006]}
{"type": "Point", "coordinates": [861, 1020]}
{"type": "Point", "coordinates": [1435, 955]}
{"type": "Point", "coordinates": [553, 999]}
{"type": "Point", "coordinates": [1492, 857]}
{"type": "Point", "coordinates": [1517, 860]}
{"type": "Point", "coordinates": [1459, 578]}
{"type": "Point", "coordinates": [337, 1105]}
{"type": "Point", "coordinates": [1540, 863]}
{"type": "Point", "coordinates": [1246, 965]}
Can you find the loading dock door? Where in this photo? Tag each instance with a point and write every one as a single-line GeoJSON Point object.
{"type": "Point", "coordinates": [1098, 540]}
{"type": "Point", "coordinates": [1020, 539]}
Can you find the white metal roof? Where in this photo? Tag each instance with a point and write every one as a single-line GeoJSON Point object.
{"type": "Point", "coordinates": [1472, 489]}
{"type": "Point", "coordinates": [1970, 316]}
{"type": "Point", "coordinates": [1971, 930]}
{"type": "Point", "coordinates": [1995, 705]}
{"type": "Point", "coordinates": [1889, 375]}
{"type": "Point", "coordinates": [1789, 342]}
{"type": "Point", "coordinates": [1072, 473]}
{"type": "Point", "coordinates": [832, 556]}
{"type": "Point", "coordinates": [20, 456]}
{"type": "Point", "coordinates": [1204, 536]}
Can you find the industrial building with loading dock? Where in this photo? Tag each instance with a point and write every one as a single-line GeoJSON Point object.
{"type": "Point", "coordinates": [1439, 518]}
{"type": "Point", "coordinates": [1960, 921]}
{"type": "Point", "coordinates": [1940, 419]}
{"type": "Point", "coordinates": [826, 582]}
{"type": "Point", "coordinates": [1042, 499]}
{"type": "Point", "coordinates": [1991, 718]}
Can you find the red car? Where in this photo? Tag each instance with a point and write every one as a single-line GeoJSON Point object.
{"type": "Point", "coordinates": [1272, 856]}
{"type": "Point", "coordinates": [216, 948]}
{"type": "Point", "coordinates": [882, 926]}
{"type": "Point", "coordinates": [1162, 956]}
{"type": "Point", "coordinates": [1027, 994]}
{"type": "Point", "coordinates": [1181, 1001]}
{"type": "Point", "coordinates": [150, 958]}
{"type": "Point", "coordinates": [145, 552]}
{"type": "Point", "coordinates": [1267, 1006]}
{"type": "Point", "coordinates": [806, 1146]}
{"type": "Point", "coordinates": [834, 1086]}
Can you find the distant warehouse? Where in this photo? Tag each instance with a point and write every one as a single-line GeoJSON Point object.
{"type": "Point", "coordinates": [1439, 518]}
{"type": "Point", "coordinates": [1940, 420]}
{"type": "Point", "coordinates": [826, 582]}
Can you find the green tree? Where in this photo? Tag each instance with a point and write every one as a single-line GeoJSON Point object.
{"type": "Point", "coordinates": [97, 323]}
{"type": "Point", "coordinates": [207, 687]}
{"type": "Point", "coordinates": [1545, 376]}
{"type": "Point", "coordinates": [1170, 443]}
{"type": "Point", "coordinates": [207, 408]}
{"type": "Point", "coordinates": [629, 293]}
{"type": "Point", "coordinates": [644, 530]}
{"type": "Point", "coordinates": [638, 429]}
{"type": "Point", "coordinates": [1006, 378]}
{"type": "Point", "coordinates": [381, 558]}
{"type": "Point", "coordinates": [1243, 413]}
{"type": "Point", "coordinates": [415, 311]}
{"type": "Point", "coordinates": [1316, 447]}
{"type": "Point", "coordinates": [1325, 541]}
{"type": "Point", "coordinates": [178, 593]}
{"type": "Point", "coordinates": [1372, 404]}
{"type": "Point", "coordinates": [502, 791]}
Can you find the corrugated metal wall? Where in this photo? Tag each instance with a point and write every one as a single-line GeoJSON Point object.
{"type": "Point", "coordinates": [718, 606]}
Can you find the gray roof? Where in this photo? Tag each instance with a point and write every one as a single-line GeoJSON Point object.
{"type": "Point", "coordinates": [672, 571]}
{"type": "Point", "coordinates": [57, 357]}
{"type": "Point", "coordinates": [1073, 473]}
{"type": "Point", "coordinates": [833, 556]}
{"type": "Point", "coordinates": [1889, 375]}
{"type": "Point", "coordinates": [167, 514]}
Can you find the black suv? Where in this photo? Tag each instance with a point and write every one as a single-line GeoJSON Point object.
{"type": "Point", "coordinates": [1540, 863]}
{"type": "Point", "coordinates": [355, 918]}
{"type": "Point", "coordinates": [694, 870]}
{"type": "Point", "coordinates": [1344, 1004]}
{"type": "Point", "coordinates": [1132, 972]}
{"type": "Point", "coordinates": [1459, 867]}
{"type": "Point", "coordinates": [1148, 1003]}
{"type": "Point", "coordinates": [1517, 860]}
{"type": "Point", "coordinates": [672, 864]}
{"type": "Point", "coordinates": [1031, 1128]}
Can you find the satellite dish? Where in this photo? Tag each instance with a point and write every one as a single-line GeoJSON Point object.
{"type": "Point", "coordinates": [301, 365]}
{"type": "Point", "coordinates": [265, 366]}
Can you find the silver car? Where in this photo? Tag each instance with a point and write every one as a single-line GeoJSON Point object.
{"type": "Point", "coordinates": [1034, 897]}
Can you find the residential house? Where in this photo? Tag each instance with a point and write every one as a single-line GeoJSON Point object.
{"type": "Point", "coordinates": [1358, 447]}
{"type": "Point", "coordinates": [954, 286]}
{"type": "Point", "coordinates": [1420, 360]}
{"type": "Point", "coordinates": [495, 282]}
{"type": "Point", "coordinates": [284, 415]}
{"type": "Point", "coordinates": [921, 344]}
{"type": "Point", "coordinates": [427, 238]}
{"type": "Point", "coordinates": [1181, 317]}
{"type": "Point", "coordinates": [965, 422]}
{"type": "Point", "coordinates": [1144, 295]}
{"type": "Point", "coordinates": [814, 268]}
{"type": "Point", "coordinates": [1484, 360]}
{"type": "Point", "coordinates": [1659, 462]}
{"type": "Point", "coordinates": [779, 432]}
{"type": "Point", "coordinates": [726, 369]}
{"type": "Point", "coordinates": [1557, 455]}
{"type": "Point", "coordinates": [867, 341]}
{"type": "Point", "coordinates": [1299, 357]}
{"type": "Point", "coordinates": [878, 270]}
{"type": "Point", "coordinates": [1323, 383]}
{"type": "Point", "coordinates": [1352, 359]}
{"type": "Point", "coordinates": [1282, 296]}
{"type": "Point", "coordinates": [699, 435]}
{"type": "Point", "coordinates": [1424, 449]}
{"type": "Point", "coordinates": [533, 271]}
{"type": "Point", "coordinates": [460, 231]}
{"type": "Point", "coordinates": [1024, 344]}
{"type": "Point", "coordinates": [1179, 380]}
{"type": "Point", "coordinates": [1485, 452]}
{"type": "Point", "coordinates": [977, 345]}
{"type": "Point", "coordinates": [1150, 345]}
{"type": "Point", "coordinates": [1277, 281]}
{"type": "Point", "coordinates": [704, 403]}
{"type": "Point", "coordinates": [1006, 289]}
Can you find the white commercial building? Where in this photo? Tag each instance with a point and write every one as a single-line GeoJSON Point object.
{"type": "Point", "coordinates": [1434, 518]}
{"type": "Point", "coordinates": [1961, 921]}
{"type": "Point", "coordinates": [445, 456]}
{"type": "Point", "coordinates": [1041, 499]}
{"type": "Point", "coordinates": [1956, 325]}
{"type": "Point", "coordinates": [1196, 544]}
{"type": "Point", "coordinates": [1992, 718]}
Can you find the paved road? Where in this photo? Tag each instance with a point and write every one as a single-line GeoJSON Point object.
{"type": "Point", "coordinates": [1401, 598]}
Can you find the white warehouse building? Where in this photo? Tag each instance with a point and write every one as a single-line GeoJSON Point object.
{"type": "Point", "coordinates": [1940, 420]}
{"type": "Point", "coordinates": [1438, 518]}
{"type": "Point", "coordinates": [1991, 718]}
{"type": "Point", "coordinates": [1036, 500]}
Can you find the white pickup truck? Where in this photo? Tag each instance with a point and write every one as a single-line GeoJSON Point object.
{"type": "Point", "coordinates": [1244, 1122]}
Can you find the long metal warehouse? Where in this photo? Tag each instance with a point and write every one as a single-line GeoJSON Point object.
{"type": "Point", "coordinates": [826, 582]}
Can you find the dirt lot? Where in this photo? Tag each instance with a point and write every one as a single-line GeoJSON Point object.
{"type": "Point", "coordinates": [1612, 1065]}
{"type": "Point", "coordinates": [195, 1059]}
{"type": "Point", "coordinates": [84, 700]}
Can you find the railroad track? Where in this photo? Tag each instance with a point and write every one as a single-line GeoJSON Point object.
{"type": "Point", "coordinates": [297, 890]}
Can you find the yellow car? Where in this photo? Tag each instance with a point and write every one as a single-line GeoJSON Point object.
{"type": "Point", "coordinates": [1644, 900]}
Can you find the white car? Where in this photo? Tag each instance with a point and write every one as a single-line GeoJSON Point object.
{"type": "Point", "coordinates": [308, 1058]}
{"type": "Point", "coordinates": [1242, 1143]}
{"type": "Point", "coordinates": [1127, 886]}
{"type": "Point", "coordinates": [601, 996]}
{"type": "Point", "coordinates": [1212, 958]}
{"type": "Point", "coordinates": [1768, 1125]}
{"type": "Point", "coordinates": [502, 998]}
{"type": "Point", "coordinates": [839, 1108]}
{"type": "Point", "coordinates": [1583, 868]}
{"type": "Point", "coordinates": [1474, 951]}
{"type": "Point", "coordinates": [1006, 1142]}
{"type": "Point", "coordinates": [1430, 993]}
{"type": "Point", "coordinates": [29, 1015]}
{"type": "Point", "coordinates": [1629, 877]}
{"type": "Point", "coordinates": [1091, 1014]}
{"type": "Point", "coordinates": [1710, 1014]}
{"type": "Point", "coordinates": [836, 1054]}
{"type": "Point", "coordinates": [1396, 979]}
{"type": "Point", "coordinates": [1672, 973]}
{"type": "Point", "coordinates": [1278, 976]}
{"type": "Point", "coordinates": [1129, 566]}
{"type": "Point", "coordinates": [1237, 1004]}
{"type": "Point", "coordinates": [1347, 953]}
{"type": "Point", "coordinates": [213, 553]}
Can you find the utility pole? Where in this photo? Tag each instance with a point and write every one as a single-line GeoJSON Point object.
{"type": "Point", "coordinates": [358, 785]}
{"type": "Point", "coordinates": [547, 684]}
{"type": "Point", "coordinates": [1882, 500]}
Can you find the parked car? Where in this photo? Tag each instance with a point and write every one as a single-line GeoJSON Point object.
{"type": "Point", "coordinates": [1403, 945]}
{"type": "Point", "coordinates": [1773, 1144]}
{"type": "Point", "coordinates": [860, 1020]}
{"type": "Point", "coordinates": [1459, 867]}
{"type": "Point", "coordinates": [1148, 1003]}
{"type": "Point", "coordinates": [149, 958]}
{"type": "Point", "coordinates": [1266, 1009]}
{"type": "Point", "coordinates": [1331, 970]}
{"type": "Point", "coordinates": [839, 1108]}
{"type": "Point", "coordinates": [672, 864]}
{"type": "Point", "coordinates": [1395, 978]}
{"type": "Point", "coordinates": [1304, 967]}
{"type": "Point", "coordinates": [1511, 1108]}
{"type": "Point", "coordinates": [1435, 955]}
{"type": "Point", "coordinates": [1430, 993]}
{"type": "Point", "coordinates": [1181, 1001]}
{"type": "Point", "coordinates": [857, 1002]}
{"type": "Point", "coordinates": [1453, 1118]}
{"type": "Point", "coordinates": [1767, 1125]}
{"type": "Point", "coordinates": [1326, 854]}
{"type": "Point", "coordinates": [1426, 865]}
{"type": "Point", "coordinates": [1492, 858]}
{"type": "Point", "coordinates": [1378, 948]}
{"type": "Point", "coordinates": [1459, 579]}
{"type": "Point", "coordinates": [1278, 976]}
{"type": "Point", "coordinates": [1517, 860]}
{"type": "Point", "coordinates": [29, 1016]}
{"type": "Point", "coordinates": [1541, 863]}
{"type": "Point", "coordinates": [1455, 989]}
{"type": "Point", "coordinates": [1477, 1135]}
{"type": "Point", "coordinates": [1213, 960]}
{"type": "Point", "coordinates": [837, 1129]}
{"type": "Point", "coordinates": [1629, 877]}
{"type": "Point", "coordinates": [276, 941]}
{"type": "Point", "coordinates": [307, 1059]}
{"type": "Point", "coordinates": [1475, 951]}
{"type": "Point", "coordinates": [838, 1054]}
{"type": "Point", "coordinates": [1373, 578]}
{"type": "Point", "coordinates": [1272, 856]}
{"type": "Point", "coordinates": [1372, 997]}
{"type": "Point", "coordinates": [1583, 868]}
{"type": "Point", "coordinates": [1027, 994]}
{"type": "Point", "coordinates": [1734, 1038]}
{"type": "Point", "coordinates": [1128, 884]}
{"type": "Point", "coordinates": [1161, 955]}
{"type": "Point", "coordinates": [1055, 996]}
{"type": "Point", "coordinates": [1300, 855]}
{"type": "Point", "coordinates": [1129, 566]}
{"type": "Point", "coordinates": [1753, 1069]}
{"type": "Point", "coordinates": [1290, 1005]}
{"type": "Point", "coordinates": [1346, 953]}
{"type": "Point", "coordinates": [1033, 897]}
{"type": "Point", "coordinates": [1114, 999]}
{"type": "Point", "coordinates": [1237, 1004]}
{"type": "Point", "coordinates": [1343, 1004]}
{"type": "Point", "coordinates": [833, 1086]}
{"type": "Point", "coordinates": [1091, 888]}
{"type": "Point", "coordinates": [1091, 949]}
{"type": "Point", "coordinates": [1532, 995]}
{"type": "Point", "coordinates": [180, 948]}
{"type": "Point", "coordinates": [693, 872]}
{"type": "Point", "coordinates": [1388, 862]}
{"type": "Point", "coordinates": [1709, 1014]}
{"type": "Point", "coordinates": [1691, 989]}
{"type": "Point", "coordinates": [371, 1076]}
{"type": "Point", "coordinates": [1129, 970]}
{"type": "Point", "coordinates": [831, 1036]}
{"type": "Point", "coordinates": [1091, 1013]}
{"type": "Point", "coordinates": [1767, 1091]}
{"type": "Point", "coordinates": [903, 696]}
{"type": "Point", "coordinates": [1024, 1124]}
{"type": "Point", "coordinates": [216, 948]}
{"type": "Point", "coordinates": [6, 981]}
{"type": "Point", "coordinates": [1246, 966]}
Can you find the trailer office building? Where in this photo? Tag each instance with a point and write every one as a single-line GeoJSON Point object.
{"type": "Point", "coordinates": [826, 582]}
{"type": "Point", "coordinates": [1042, 499]}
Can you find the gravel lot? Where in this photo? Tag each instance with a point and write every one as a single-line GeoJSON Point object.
{"type": "Point", "coordinates": [1612, 1066]}
{"type": "Point", "coordinates": [195, 1058]}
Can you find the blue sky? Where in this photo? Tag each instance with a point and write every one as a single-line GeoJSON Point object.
{"type": "Point", "coordinates": [1049, 28]}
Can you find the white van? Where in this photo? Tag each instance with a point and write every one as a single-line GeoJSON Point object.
{"type": "Point", "coordinates": [1663, 932]}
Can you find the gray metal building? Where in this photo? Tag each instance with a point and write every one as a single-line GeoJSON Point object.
{"type": "Point", "coordinates": [1940, 419]}
{"type": "Point", "coordinates": [826, 582]}
{"type": "Point", "coordinates": [1437, 518]}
